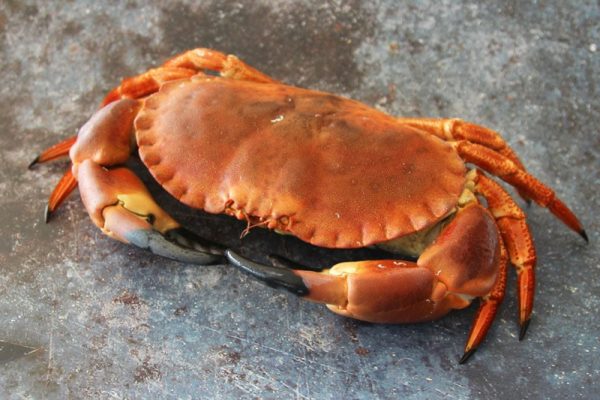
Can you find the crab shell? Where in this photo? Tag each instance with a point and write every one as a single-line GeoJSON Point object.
{"type": "Point", "coordinates": [330, 171]}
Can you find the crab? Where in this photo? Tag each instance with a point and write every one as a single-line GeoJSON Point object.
{"type": "Point", "coordinates": [222, 137]}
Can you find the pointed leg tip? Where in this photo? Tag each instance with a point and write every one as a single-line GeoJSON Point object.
{"type": "Point", "coordinates": [467, 355]}
{"type": "Point", "coordinates": [584, 235]}
{"type": "Point", "coordinates": [47, 214]}
{"type": "Point", "coordinates": [34, 162]}
{"type": "Point", "coordinates": [523, 331]}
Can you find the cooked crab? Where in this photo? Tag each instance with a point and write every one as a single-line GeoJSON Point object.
{"type": "Point", "coordinates": [328, 170]}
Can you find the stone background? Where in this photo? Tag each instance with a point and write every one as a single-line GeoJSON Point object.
{"type": "Point", "coordinates": [116, 322]}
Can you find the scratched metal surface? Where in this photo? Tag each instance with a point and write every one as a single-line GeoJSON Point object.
{"type": "Point", "coordinates": [115, 322]}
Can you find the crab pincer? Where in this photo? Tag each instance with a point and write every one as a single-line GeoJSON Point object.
{"type": "Point", "coordinates": [116, 199]}
{"type": "Point", "coordinates": [466, 261]}
{"type": "Point", "coordinates": [121, 206]}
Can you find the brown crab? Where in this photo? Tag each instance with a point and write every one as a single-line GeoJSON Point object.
{"type": "Point", "coordinates": [331, 171]}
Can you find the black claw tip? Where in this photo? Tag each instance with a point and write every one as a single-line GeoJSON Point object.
{"type": "Point", "coordinates": [523, 330]}
{"type": "Point", "coordinates": [584, 235]}
{"type": "Point", "coordinates": [35, 161]}
{"type": "Point", "coordinates": [47, 214]}
{"type": "Point", "coordinates": [467, 355]}
{"type": "Point", "coordinates": [273, 276]}
{"type": "Point", "coordinates": [528, 202]}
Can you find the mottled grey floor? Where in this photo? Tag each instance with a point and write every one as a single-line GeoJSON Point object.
{"type": "Point", "coordinates": [115, 322]}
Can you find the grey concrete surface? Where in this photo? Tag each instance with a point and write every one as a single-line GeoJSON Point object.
{"type": "Point", "coordinates": [115, 322]}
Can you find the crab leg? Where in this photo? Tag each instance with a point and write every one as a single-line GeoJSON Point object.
{"type": "Point", "coordinates": [517, 237]}
{"type": "Point", "coordinates": [146, 83]}
{"type": "Point", "coordinates": [185, 65]}
{"type": "Point", "coordinates": [488, 307]}
{"type": "Point", "coordinates": [467, 260]}
{"type": "Point", "coordinates": [51, 153]}
{"type": "Point", "coordinates": [456, 129]}
{"type": "Point", "coordinates": [67, 183]}
{"type": "Point", "coordinates": [228, 65]}
{"type": "Point", "coordinates": [501, 166]}
{"type": "Point", "coordinates": [65, 186]}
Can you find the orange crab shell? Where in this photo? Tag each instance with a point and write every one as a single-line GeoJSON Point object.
{"type": "Point", "coordinates": [328, 170]}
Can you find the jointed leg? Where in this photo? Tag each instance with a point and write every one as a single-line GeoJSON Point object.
{"type": "Point", "coordinates": [56, 151]}
{"type": "Point", "coordinates": [488, 150]}
{"type": "Point", "coordinates": [133, 88]}
{"type": "Point", "coordinates": [517, 238]}
{"type": "Point", "coordinates": [228, 65]}
{"type": "Point", "coordinates": [65, 186]}
{"type": "Point", "coordinates": [185, 65]}
{"type": "Point", "coordinates": [488, 308]}
{"type": "Point", "coordinates": [142, 85]}
{"type": "Point", "coordinates": [507, 170]}
{"type": "Point", "coordinates": [455, 129]}
{"type": "Point", "coordinates": [88, 144]}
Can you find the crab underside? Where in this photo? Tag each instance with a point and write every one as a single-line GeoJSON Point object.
{"type": "Point", "coordinates": [328, 170]}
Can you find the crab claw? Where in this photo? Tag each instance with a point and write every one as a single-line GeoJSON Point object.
{"type": "Point", "coordinates": [177, 243]}
{"type": "Point", "coordinates": [467, 260]}
{"type": "Point", "coordinates": [276, 277]}
{"type": "Point", "coordinates": [122, 207]}
{"type": "Point", "coordinates": [58, 150]}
